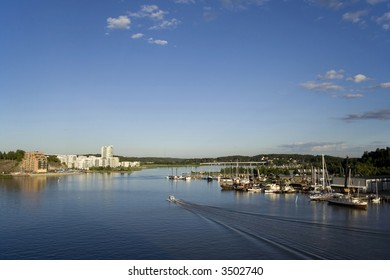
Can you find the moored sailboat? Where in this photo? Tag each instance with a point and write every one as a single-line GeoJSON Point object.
{"type": "Point", "coordinates": [348, 200]}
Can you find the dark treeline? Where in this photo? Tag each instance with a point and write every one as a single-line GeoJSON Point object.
{"type": "Point", "coordinates": [373, 163]}
{"type": "Point", "coordinates": [17, 155]}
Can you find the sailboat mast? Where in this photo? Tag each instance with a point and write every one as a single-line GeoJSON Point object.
{"type": "Point", "coordinates": [346, 173]}
{"type": "Point", "coordinates": [323, 172]}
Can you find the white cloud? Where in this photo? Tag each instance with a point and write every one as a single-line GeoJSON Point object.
{"type": "Point", "coordinates": [137, 36]}
{"type": "Point", "coordinates": [358, 78]}
{"type": "Point", "coordinates": [332, 75]}
{"type": "Point", "coordinates": [385, 85]}
{"type": "Point", "coordinates": [332, 4]}
{"type": "Point", "coordinates": [354, 17]}
{"type": "Point", "coordinates": [185, 1]}
{"type": "Point", "coordinates": [209, 14]}
{"type": "Point", "coordinates": [384, 21]}
{"type": "Point", "coordinates": [166, 24]}
{"type": "Point", "coordinates": [158, 42]}
{"type": "Point", "coordinates": [383, 114]}
{"type": "Point", "coordinates": [326, 86]}
{"type": "Point", "coordinates": [150, 11]}
{"type": "Point", "coordinates": [121, 22]}
{"type": "Point", "coordinates": [374, 2]}
{"type": "Point", "coordinates": [315, 147]}
{"type": "Point", "coordinates": [242, 4]}
{"type": "Point", "coordinates": [353, 95]}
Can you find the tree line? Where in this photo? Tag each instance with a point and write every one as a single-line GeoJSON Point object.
{"type": "Point", "coordinates": [370, 164]}
{"type": "Point", "coordinates": [17, 155]}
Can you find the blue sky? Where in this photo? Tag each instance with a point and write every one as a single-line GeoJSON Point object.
{"type": "Point", "coordinates": [193, 78]}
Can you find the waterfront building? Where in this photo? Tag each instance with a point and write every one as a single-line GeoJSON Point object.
{"type": "Point", "coordinates": [107, 151]}
{"type": "Point", "coordinates": [68, 160]}
{"type": "Point", "coordinates": [362, 184]}
{"type": "Point", "coordinates": [127, 164]}
{"type": "Point", "coordinates": [34, 162]}
{"type": "Point", "coordinates": [86, 162]}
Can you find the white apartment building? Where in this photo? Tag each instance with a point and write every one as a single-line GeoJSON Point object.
{"type": "Point", "coordinates": [69, 160]}
{"type": "Point", "coordinates": [107, 151]}
{"type": "Point", "coordinates": [86, 162]}
{"type": "Point", "coordinates": [127, 164]}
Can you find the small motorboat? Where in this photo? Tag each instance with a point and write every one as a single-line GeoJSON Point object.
{"type": "Point", "coordinates": [171, 198]}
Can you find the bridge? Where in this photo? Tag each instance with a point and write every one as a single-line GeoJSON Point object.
{"type": "Point", "coordinates": [235, 163]}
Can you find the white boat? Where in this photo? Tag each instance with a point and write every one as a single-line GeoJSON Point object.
{"type": "Point", "coordinates": [348, 200]}
{"type": "Point", "coordinates": [321, 196]}
{"type": "Point", "coordinates": [171, 198]}
{"type": "Point", "coordinates": [254, 189]}
{"type": "Point", "coordinates": [272, 188]}
{"type": "Point", "coordinates": [377, 199]}
{"type": "Point", "coordinates": [322, 192]}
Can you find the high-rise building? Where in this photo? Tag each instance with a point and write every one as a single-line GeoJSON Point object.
{"type": "Point", "coordinates": [34, 162]}
{"type": "Point", "coordinates": [107, 151]}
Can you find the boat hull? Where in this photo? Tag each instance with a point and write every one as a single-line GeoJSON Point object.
{"type": "Point", "coordinates": [350, 204]}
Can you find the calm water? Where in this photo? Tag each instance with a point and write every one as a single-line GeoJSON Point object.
{"type": "Point", "coordinates": [126, 216]}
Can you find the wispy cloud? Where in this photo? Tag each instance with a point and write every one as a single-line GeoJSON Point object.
{"type": "Point", "coordinates": [242, 4]}
{"type": "Point", "coordinates": [148, 17]}
{"type": "Point", "coordinates": [325, 86]}
{"type": "Point", "coordinates": [315, 147]}
{"type": "Point", "coordinates": [121, 22]}
{"type": "Point", "coordinates": [137, 36]}
{"type": "Point", "coordinates": [209, 14]}
{"type": "Point", "coordinates": [332, 4]}
{"type": "Point", "coordinates": [385, 85]}
{"type": "Point", "coordinates": [166, 24]}
{"type": "Point", "coordinates": [352, 95]}
{"type": "Point", "coordinates": [184, 1]}
{"type": "Point", "coordinates": [384, 21]}
{"type": "Point", "coordinates": [355, 17]}
{"type": "Point", "coordinates": [358, 78]}
{"type": "Point", "coordinates": [149, 11]}
{"type": "Point", "coordinates": [157, 42]}
{"type": "Point", "coordinates": [374, 2]}
{"type": "Point", "coordinates": [383, 114]}
{"type": "Point", "coordinates": [332, 75]}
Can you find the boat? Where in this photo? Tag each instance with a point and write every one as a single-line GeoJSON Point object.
{"type": "Point", "coordinates": [255, 189]}
{"type": "Point", "coordinates": [171, 198]}
{"type": "Point", "coordinates": [226, 183]}
{"type": "Point", "coordinates": [348, 200]}
{"type": "Point", "coordinates": [272, 188]}
{"type": "Point", "coordinates": [321, 191]}
{"type": "Point", "coordinates": [288, 189]}
{"type": "Point", "coordinates": [377, 199]}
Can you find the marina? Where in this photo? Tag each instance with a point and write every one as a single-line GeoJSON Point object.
{"type": "Point", "coordinates": [318, 189]}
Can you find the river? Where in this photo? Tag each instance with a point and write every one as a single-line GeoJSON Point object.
{"type": "Point", "coordinates": [127, 216]}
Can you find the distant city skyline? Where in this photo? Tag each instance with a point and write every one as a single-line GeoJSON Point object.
{"type": "Point", "coordinates": [192, 78]}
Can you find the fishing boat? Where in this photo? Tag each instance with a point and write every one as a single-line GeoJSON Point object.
{"type": "Point", "coordinates": [348, 200]}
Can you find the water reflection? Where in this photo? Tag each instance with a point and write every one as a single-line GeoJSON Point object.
{"type": "Point", "coordinates": [25, 184]}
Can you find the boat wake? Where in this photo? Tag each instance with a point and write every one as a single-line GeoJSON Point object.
{"type": "Point", "coordinates": [289, 238]}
